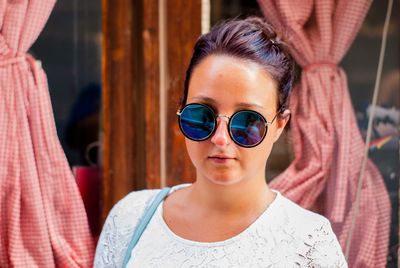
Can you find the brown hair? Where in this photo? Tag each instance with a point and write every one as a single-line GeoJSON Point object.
{"type": "Point", "coordinates": [251, 39]}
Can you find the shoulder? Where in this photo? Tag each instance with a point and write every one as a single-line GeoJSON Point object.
{"type": "Point", "coordinates": [318, 243]}
{"type": "Point", "coordinates": [126, 212]}
{"type": "Point", "coordinates": [133, 203]}
{"type": "Point", "coordinates": [119, 226]}
{"type": "Point", "coordinates": [303, 217]}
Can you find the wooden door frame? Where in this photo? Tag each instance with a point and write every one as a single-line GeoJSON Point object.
{"type": "Point", "coordinates": [141, 146]}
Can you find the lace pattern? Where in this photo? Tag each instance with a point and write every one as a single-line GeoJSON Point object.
{"type": "Point", "coordinates": [118, 228]}
{"type": "Point", "coordinates": [285, 235]}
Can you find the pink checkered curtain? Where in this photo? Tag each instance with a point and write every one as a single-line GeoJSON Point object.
{"type": "Point", "coordinates": [42, 217]}
{"type": "Point", "coordinates": [327, 143]}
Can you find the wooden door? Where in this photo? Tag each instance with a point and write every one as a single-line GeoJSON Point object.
{"type": "Point", "coordinates": [146, 48]}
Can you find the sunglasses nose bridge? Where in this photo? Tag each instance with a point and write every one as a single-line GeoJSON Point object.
{"type": "Point", "coordinates": [223, 117]}
{"type": "Point", "coordinates": [221, 136]}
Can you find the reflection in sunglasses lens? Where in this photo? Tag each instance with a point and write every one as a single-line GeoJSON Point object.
{"type": "Point", "coordinates": [197, 122]}
{"type": "Point", "coordinates": [247, 128]}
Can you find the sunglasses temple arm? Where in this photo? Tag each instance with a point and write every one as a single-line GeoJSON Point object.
{"type": "Point", "coordinates": [273, 119]}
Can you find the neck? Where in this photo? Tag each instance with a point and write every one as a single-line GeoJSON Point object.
{"type": "Point", "coordinates": [240, 198]}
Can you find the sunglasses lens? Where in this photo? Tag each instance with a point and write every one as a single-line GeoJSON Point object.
{"type": "Point", "coordinates": [248, 128]}
{"type": "Point", "coordinates": [197, 122]}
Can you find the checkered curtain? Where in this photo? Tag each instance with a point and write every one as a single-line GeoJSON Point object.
{"type": "Point", "coordinates": [327, 143]}
{"type": "Point", "coordinates": [42, 217]}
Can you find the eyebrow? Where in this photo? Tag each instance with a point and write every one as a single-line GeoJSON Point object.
{"type": "Point", "coordinates": [240, 104]}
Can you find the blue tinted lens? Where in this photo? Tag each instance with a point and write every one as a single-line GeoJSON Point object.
{"type": "Point", "coordinates": [197, 122]}
{"type": "Point", "coordinates": [248, 128]}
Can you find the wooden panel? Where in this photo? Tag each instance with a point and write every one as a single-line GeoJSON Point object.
{"type": "Point", "coordinates": [117, 102]}
{"type": "Point", "coordinates": [123, 139]}
{"type": "Point", "coordinates": [151, 91]}
{"type": "Point", "coordinates": [183, 29]}
{"type": "Point", "coordinates": [131, 156]}
{"type": "Point", "coordinates": [138, 163]}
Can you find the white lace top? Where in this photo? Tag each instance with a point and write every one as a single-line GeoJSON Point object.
{"type": "Point", "coordinates": [285, 235]}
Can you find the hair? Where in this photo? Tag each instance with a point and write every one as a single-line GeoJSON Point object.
{"type": "Point", "coordinates": [251, 39]}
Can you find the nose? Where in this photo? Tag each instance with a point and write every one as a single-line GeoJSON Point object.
{"type": "Point", "coordinates": [221, 136]}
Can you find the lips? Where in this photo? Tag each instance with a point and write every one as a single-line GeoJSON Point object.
{"type": "Point", "coordinates": [221, 156]}
{"type": "Point", "coordinates": [221, 159]}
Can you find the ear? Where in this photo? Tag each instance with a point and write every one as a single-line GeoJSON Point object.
{"type": "Point", "coordinates": [281, 122]}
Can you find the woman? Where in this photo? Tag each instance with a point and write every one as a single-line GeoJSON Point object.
{"type": "Point", "coordinates": [235, 106]}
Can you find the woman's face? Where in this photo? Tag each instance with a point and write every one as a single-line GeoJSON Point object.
{"type": "Point", "coordinates": [229, 84]}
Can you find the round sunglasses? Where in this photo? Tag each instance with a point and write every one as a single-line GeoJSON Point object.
{"type": "Point", "coordinates": [247, 128]}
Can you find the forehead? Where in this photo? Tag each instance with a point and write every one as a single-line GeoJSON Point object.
{"type": "Point", "coordinates": [230, 81]}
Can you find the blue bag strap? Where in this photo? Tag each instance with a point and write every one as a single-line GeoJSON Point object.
{"type": "Point", "coordinates": [148, 214]}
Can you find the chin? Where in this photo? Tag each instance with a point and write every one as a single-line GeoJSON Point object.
{"type": "Point", "coordinates": [223, 179]}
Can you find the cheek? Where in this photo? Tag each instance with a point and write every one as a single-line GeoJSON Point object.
{"type": "Point", "coordinates": [194, 150]}
{"type": "Point", "coordinates": [259, 155]}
